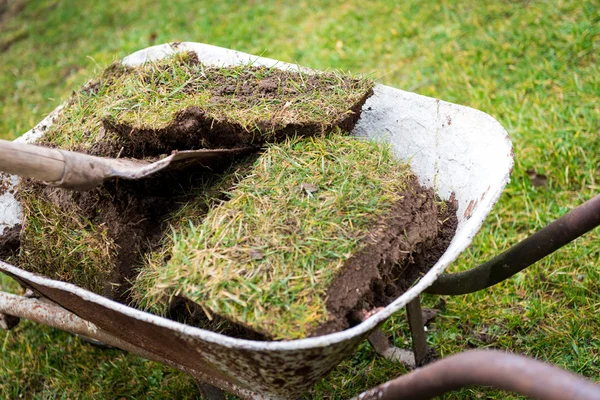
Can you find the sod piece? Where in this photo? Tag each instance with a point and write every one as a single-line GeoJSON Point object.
{"type": "Point", "coordinates": [97, 239]}
{"type": "Point", "coordinates": [319, 227]}
{"type": "Point", "coordinates": [179, 103]}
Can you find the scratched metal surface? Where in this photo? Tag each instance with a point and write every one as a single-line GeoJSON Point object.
{"type": "Point", "coordinates": [452, 148]}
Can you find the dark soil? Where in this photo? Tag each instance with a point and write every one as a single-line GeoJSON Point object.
{"type": "Point", "coordinates": [188, 312]}
{"type": "Point", "coordinates": [9, 242]}
{"type": "Point", "coordinates": [413, 238]}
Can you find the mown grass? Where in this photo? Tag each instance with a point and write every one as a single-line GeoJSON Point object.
{"type": "Point", "coordinates": [530, 64]}
{"type": "Point", "coordinates": [266, 257]}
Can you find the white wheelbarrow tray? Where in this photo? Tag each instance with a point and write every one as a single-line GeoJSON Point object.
{"type": "Point", "coordinates": [454, 149]}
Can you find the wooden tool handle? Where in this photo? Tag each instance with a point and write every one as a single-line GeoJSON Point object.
{"type": "Point", "coordinates": [32, 161]}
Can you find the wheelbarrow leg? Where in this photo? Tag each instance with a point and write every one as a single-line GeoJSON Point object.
{"type": "Point", "coordinates": [414, 313]}
{"type": "Point", "coordinates": [420, 351]}
{"type": "Point", "coordinates": [210, 392]}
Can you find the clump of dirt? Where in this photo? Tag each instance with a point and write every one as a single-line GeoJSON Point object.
{"type": "Point", "coordinates": [195, 127]}
{"type": "Point", "coordinates": [178, 103]}
{"type": "Point", "coordinates": [402, 248]}
{"type": "Point", "coordinates": [397, 280]}
{"type": "Point", "coordinates": [415, 235]}
{"type": "Point", "coordinates": [10, 242]}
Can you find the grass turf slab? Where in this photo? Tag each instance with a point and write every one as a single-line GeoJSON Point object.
{"type": "Point", "coordinates": [301, 241]}
{"type": "Point", "coordinates": [179, 103]}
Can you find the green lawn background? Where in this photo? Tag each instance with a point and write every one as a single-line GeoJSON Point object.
{"type": "Point", "coordinates": [532, 65]}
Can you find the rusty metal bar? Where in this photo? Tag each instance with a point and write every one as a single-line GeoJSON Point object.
{"type": "Point", "coordinates": [54, 316]}
{"type": "Point", "coordinates": [537, 246]}
{"type": "Point", "coordinates": [45, 313]}
{"type": "Point", "coordinates": [486, 368]}
{"type": "Point", "coordinates": [414, 314]}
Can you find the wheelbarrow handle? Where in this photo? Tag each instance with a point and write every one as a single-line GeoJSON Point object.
{"type": "Point", "coordinates": [532, 249]}
{"type": "Point", "coordinates": [32, 161]}
{"type": "Point", "coordinates": [494, 368]}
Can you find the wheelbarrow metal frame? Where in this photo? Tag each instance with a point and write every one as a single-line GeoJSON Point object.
{"type": "Point", "coordinates": [544, 242]}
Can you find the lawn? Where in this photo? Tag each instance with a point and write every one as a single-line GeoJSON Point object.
{"type": "Point", "coordinates": [532, 65]}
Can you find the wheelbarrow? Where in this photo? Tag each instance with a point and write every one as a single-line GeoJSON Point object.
{"type": "Point", "coordinates": [460, 152]}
